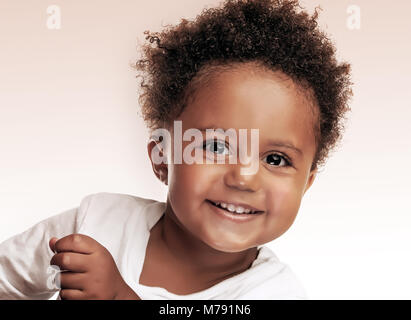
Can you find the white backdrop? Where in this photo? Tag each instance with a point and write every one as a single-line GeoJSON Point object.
{"type": "Point", "coordinates": [69, 127]}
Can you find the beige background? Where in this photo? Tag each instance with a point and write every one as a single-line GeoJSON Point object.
{"type": "Point", "coordinates": [69, 127]}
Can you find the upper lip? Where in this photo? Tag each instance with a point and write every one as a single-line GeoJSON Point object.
{"type": "Point", "coordinates": [244, 205]}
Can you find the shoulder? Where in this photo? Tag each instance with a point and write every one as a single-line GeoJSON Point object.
{"type": "Point", "coordinates": [111, 218]}
{"type": "Point", "coordinates": [108, 199]}
{"type": "Point", "coordinates": [274, 279]}
{"type": "Point", "coordinates": [105, 208]}
{"type": "Point", "coordinates": [112, 204]}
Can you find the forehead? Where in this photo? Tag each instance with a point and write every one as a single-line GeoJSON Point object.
{"type": "Point", "coordinates": [240, 99]}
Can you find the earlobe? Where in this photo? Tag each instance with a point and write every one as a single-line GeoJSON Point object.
{"type": "Point", "coordinates": [310, 180]}
{"type": "Point", "coordinates": [159, 167]}
{"type": "Point", "coordinates": [163, 176]}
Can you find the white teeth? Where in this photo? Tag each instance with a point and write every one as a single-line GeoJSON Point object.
{"type": "Point", "coordinates": [239, 209]}
{"type": "Point", "coordinates": [233, 208]}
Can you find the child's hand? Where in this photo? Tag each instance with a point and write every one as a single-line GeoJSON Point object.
{"type": "Point", "coordinates": [91, 270]}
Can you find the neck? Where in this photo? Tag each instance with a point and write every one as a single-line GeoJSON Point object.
{"type": "Point", "coordinates": [198, 258]}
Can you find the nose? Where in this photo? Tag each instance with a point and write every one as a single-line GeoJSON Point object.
{"type": "Point", "coordinates": [234, 179]}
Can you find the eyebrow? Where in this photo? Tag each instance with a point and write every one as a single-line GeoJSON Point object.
{"type": "Point", "coordinates": [274, 143]}
{"type": "Point", "coordinates": [285, 144]}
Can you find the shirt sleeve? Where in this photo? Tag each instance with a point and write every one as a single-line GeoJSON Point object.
{"type": "Point", "coordinates": [25, 271]}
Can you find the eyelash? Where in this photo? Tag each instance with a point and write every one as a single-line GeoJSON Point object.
{"type": "Point", "coordinates": [286, 159]}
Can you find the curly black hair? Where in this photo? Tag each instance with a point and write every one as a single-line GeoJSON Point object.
{"type": "Point", "coordinates": [273, 34]}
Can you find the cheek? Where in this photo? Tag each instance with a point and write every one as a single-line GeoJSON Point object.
{"type": "Point", "coordinates": [189, 186]}
{"type": "Point", "coordinates": [282, 203]}
{"type": "Point", "coordinates": [283, 200]}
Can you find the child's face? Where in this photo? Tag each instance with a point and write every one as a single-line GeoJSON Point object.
{"type": "Point", "coordinates": [240, 100]}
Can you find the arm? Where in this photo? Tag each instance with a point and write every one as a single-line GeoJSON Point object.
{"type": "Point", "coordinates": [90, 270]}
{"type": "Point", "coordinates": [25, 271]}
{"type": "Point", "coordinates": [128, 294]}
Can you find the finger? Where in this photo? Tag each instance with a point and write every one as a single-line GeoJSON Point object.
{"type": "Point", "coordinates": [52, 242]}
{"type": "Point", "coordinates": [72, 294]}
{"type": "Point", "coordinates": [72, 280]}
{"type": "Point", "coordinates": [75, 262]}
{"type": "Point", "coordinates": [77, 243]}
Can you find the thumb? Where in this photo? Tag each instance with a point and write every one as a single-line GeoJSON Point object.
{"type": "Point", "coordinates": [52, 243]}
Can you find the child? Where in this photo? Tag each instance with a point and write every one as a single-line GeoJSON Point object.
{"type": "Point", "coordinates": [246, 64]}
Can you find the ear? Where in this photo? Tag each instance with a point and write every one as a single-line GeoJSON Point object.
{"type": "Point", "coordinates": [155, 151]}
{"type": "Point", "coordinates": [311, 178]}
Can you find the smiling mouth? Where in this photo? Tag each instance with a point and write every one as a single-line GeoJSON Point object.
{"type": "Point", "coordinates": [232, 210]}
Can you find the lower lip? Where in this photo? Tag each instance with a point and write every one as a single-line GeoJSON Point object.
{"type": "Point", "coordinates": [236, 217]}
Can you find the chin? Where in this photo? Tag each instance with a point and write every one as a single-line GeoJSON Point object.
{"type": "Point", "coordinates": [229, 247]}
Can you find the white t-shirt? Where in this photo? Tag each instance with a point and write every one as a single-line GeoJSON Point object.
{"type": "Point", "coordinates": [122, 224]}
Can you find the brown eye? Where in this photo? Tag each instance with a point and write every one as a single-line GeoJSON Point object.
{"type": "Point", "coordinates": [275, 159]}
